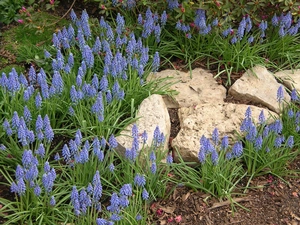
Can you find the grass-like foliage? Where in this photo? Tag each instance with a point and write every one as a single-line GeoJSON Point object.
{"type": "Point", "coordinates": [92, 83]}
{"type": "Point", "coordinates": [59, 120]}
{"type": "Point", "coordinates": [219, 170]}
{"type": "Point", "coordinates": [267, 148]}
{"type": "Point", "coordinates": [89, 183]}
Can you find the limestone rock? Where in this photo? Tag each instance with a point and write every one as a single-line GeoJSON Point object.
{"type": "Point", "coordinates": [203, 119]}
{"type": "Point", "coordinates": [290, 78]}
{"type": "Point", "coordinates": [152, 112]}
{"type": "Point", "coordinates": [195, 87]}
{"type": "Point", "coordinates": [259, 86]}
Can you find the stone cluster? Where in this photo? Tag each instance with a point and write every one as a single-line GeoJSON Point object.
{"type": "Point", "coordinates": [201, 106]}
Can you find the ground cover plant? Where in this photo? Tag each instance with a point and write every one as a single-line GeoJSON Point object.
{"type": "Point", "coordinates": [59, 120]}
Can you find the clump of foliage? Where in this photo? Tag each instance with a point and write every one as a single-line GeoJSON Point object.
{"type": "Point", "coordinates": [9, 9]}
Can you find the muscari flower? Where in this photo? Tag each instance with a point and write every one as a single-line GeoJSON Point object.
{"type": "Point", "coordinates": [258, 142]}
{"type": "Point", "coordinates": [215, 22]}
{"type": "Point", "coordinates": [55, 41]}
{"type": "Point", "coordinates": [248, 113]}
{"type": "Point", "coordinates": [52, 201]}
{"type": "Point", "coordinates": [41, 150]}
{"type": "Point", "coordinates": [19, 187]}
{"type": "Point", "coordinates": [237, 149]}
{"type": "Point", "coordinates": [37, 190]}
{"type": "Point", "coordinates": [281, 31]}
{"type": "Point", "coordinates": [214, 157]}
{"type": "Point", "coordinates": [57, 157]}
{"type": "Point", "coordinates": [83, 155]}
{"type": "Point", "coordinates": [88, 56]}
{"type": "Point", "coordinates": [226, 32]}
{"type": "Point", "coordinates": [138, 217]}
{"type": "Point", "coordinates": [153, 168]}
{"type": "Point", "coordinates": [101, 221]}
{"type": "Point", "coordinates": [66, 153]}
{"type": "Point", "coordinates": [290, 142]}
{"type": "Point", "coordinates": [156, 62]}
{"type": "Point", "coordinates": [241, 29]}
{"type": "Point", "coordinates": [114, 203]}
{"type": "Point", "coordinates": [126, 190]}
{"type": "Point", "coordinates": [215, 136]}
{"type": "Point", "coordinates": [144, 136]}
{"type": "Point", "coordinates": [280, 94]}
{"type": "Point", "coordinates": [98, 107]}
{"type": "Point", "coordinates": [140, 180]}
{"type": "Point", "coordinates": [47, 54]}
{"type": "Point", "coordinates": [169, 159]}
{"type": "Point", "coordinates": [57, 82]}
{"type": "Point", "coordinates": [145, 194]}
{"type": "Point", "coordinates": [19, 172]}
{"type": "Point", "coordinates": [15, 121]}
{"type": "Point", "coordinates": [224, 143]}
{"type": "Point", "coordinates": [251, 133]}
{"type": "Point", "coordinates": [294, 95]}
{"type": "Point", "coordinates": [278, 141]}
{"type": "Point", "coordinates": [112, 141]}
{"type": "Point", "coordinates": [261, 117]}
{"type": "Point", "coordinates": [38, 100]}
{"type": "Point", "coordinates": [290, 113]}
{"type": "Point", "coordinates": [275, 20]}
{"type": "Point", "coordinates": [172, 4]}
{"type": "Point", "coordinates": [228, 155]}
{"type": "Point", "coordinates": [234, 39]}
{"type": "Point", "coordinates": [111, 167]}
{"type": "Point", "coordinates": [250, 39]}
{"type": "Point", "coordinates": [49, 134]}
{"type": "Point", "coordinates": [115, 217]}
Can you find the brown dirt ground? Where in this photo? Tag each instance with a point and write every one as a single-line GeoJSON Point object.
{"type": "Point", "coordinates": [271, 202]}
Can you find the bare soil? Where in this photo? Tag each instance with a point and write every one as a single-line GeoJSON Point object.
{"type": "Point", "coordinates": [270, 202]}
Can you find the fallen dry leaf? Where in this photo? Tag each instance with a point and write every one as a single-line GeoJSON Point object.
{"type": "Point", "coordinates": [169, 209]}
{"type": "Point", "coordinates": [186, 196]}
{"type": "Point", "coordinates": [295, 194]}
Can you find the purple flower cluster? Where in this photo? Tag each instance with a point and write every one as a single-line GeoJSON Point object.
{"type": "Point", "coordinates": [19, 127]}
{"type": "Point", "coordinates": [172, 4]}
{"type": "Point", "coordinates": [270, 133]}
{"type": "Point", "coordinates": [120, 201]}
{"type": "Point", "coordinates": [132, 153]}
{"type": "Point", "coordinates": [109, 46]}
{"type": "Point", "coordinates": [200, 22]}
{"type": "Point", "coordinates": [87, 197]}
{"type": "Point", "coordinates": [213, 148]}
{"type": "Point", "coordinates": [152, 24]}
{"type": "Point", "coordinates": [207, 148]}
{"type": "Point", "coordinates": [27, 177]}
{"type": "Point", "coordinates": [78, 152]}
{"type": "Point", "coordinates": [286, 24]}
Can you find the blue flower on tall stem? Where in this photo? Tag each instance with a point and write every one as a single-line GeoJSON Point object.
{"type": "Point", "coordinates": [280, 94]}
{"type": "Point", "coordinates": [237, 149]}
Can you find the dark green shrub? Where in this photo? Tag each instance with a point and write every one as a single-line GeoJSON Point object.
{"type": "Point", "coordinates": [9, 9]}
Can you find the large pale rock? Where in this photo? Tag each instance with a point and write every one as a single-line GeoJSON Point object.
{"type": "Point", "coordinates": [203, 119]}
{"type": "Point", "coordinates": [152, 112]}
{"type": "Point", "coordinates": [259, 86]}
{"type": "Point", "coordinates": [290, 78]}
{"type": "Point", "coordinates": [195, 87]}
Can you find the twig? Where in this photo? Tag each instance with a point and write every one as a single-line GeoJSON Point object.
{"type": "Point", "coordinates": [228, 202]}
{"type": "Point", "coordinates": [293, 215]}
{"type": "Point", "coordinates": [63, 15]}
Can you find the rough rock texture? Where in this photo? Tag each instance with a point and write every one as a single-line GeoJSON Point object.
{"type": "Point", "coordinates": [152, 112]}
{"type": "Point", "coordinates": [259, 86]}
{"type": "Point", "coordinates": [203, 119]}
{"type": "Point", "coordinates": [194, 88]}
{"type": "Point", "coordinates": [290, 78]}
{"type": "Point", "coordinates": [202, 107]}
